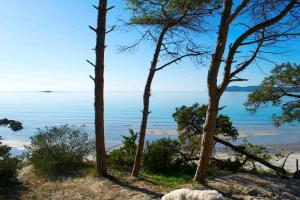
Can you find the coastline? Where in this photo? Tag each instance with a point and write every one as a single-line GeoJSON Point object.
{"type": "Point", "coordinates": [174, 132]}
{"type": "Point", "coordinates": [221, 152]}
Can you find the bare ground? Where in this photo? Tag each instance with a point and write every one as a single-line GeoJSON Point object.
{"type": "Point", "coordinates": [234, 186]}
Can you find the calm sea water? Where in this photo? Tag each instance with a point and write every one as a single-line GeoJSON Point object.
{"type": "Point", "coordinates": [122, 111]}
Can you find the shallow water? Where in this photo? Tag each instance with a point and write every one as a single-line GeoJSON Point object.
{"type": "Point", "coordinates": [122, 111]}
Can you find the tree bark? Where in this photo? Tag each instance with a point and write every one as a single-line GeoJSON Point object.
{"type": "Point", "coordinates": [146, 102]}
{"type": "Point", "coordinates": [207, 139]}
{"type": "Point", "coordinates": [213, 94]}
{"type": "Point", "coordinates": [99, 88]}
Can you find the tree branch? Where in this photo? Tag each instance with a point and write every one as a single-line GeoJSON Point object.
{"type": "Point", "coordinates": [270, 37]}
{"type": "Point", "coordinates": [111, 29]}
{"type": "Point", "coordinates": [92, 77]}
{"type": "Point", "coordinates": [237, 11]}
{"type": "Point", "coordinates": [96, 7]}
{"type": "Point", "coordinates": [178, 59]}
{"type": "Point", "coordinates": [289, 94]}
{"type": "Point", "coordinates": [92, 28]}
{"type": "Point", "coordinates": [237, 79]}
{"type": "Point", "coordinates": [244, 65]}
{"type": "Point", "coordinates": [110, 8]}
{"type": "Point", "coordinates": [229, 75]}
{"type": "Point", "coordinates": [233, 48]}
{"type": "Point", "coordinates": [91, 63]}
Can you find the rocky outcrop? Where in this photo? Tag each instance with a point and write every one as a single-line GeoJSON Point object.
{"type": "Point", "coordinates": [13, 125]}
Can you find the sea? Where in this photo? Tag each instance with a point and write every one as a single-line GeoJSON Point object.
{"type": "Point", "coordinates": [123, 112]}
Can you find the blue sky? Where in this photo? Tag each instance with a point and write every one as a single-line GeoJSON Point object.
{"type": "Point", "coordinates": [44, 45]}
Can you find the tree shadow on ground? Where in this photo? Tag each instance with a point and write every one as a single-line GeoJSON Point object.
{"type": "Point", "coordinates": [262, 184]}
{"type": "Point", "coordinates": [12, 192]}
{"type": "Point", "coordinates": [225, 194]}
{"type": "Point", "coordinates": [123, 184]}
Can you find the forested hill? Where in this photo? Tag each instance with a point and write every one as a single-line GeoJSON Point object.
{"type": "Point", "coordinates": [253, 88]}
{"type": "Point", "coordinates": [241, 89]}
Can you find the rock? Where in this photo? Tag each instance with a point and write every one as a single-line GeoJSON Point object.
{"type": "Point", "coordinates": [13, 125]}
{"type": "Point", "coordinates": [4, 121]}
{"type": "Point", "coordinates": [16, 126]}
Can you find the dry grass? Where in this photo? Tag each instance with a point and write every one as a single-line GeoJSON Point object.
{"type": "Point", "coordinates": [87, 186]}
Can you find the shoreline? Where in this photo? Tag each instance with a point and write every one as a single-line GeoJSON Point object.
{"type": "Point", "coordinates": [221, 152]}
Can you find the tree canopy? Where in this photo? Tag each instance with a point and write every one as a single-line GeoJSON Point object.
{"type": "Point", "coordinates": [281, 88]}
{"type": "Point", "coordinates": [190, 120]}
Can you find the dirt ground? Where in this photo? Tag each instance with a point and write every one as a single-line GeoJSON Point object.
{"type": "Point", "coordinates": [233, 186]}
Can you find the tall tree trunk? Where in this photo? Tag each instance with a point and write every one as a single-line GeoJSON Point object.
{"type": "Point", "coordinates": [146, 102]}
{"type": "Point", "coordinates": [99, 88]}
{"type": "Point", "coordinates": [207, 138]}
{"type": "Point", "coordinates": [143, 127]}
{"type": "Point", "coordinates": [213, 95]}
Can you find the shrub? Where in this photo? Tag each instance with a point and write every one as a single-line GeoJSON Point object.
{"type": "Point", "coordinates": [190, 121]}
{"type": "Point", "coordinates": [123, 157]}
{"type": "Point", "coordinates": [227, 164]}
{"type": "Point", "coordinates": [8, 166]}
{"type": "Point", "coordinates": [161, 155]}
{"type": "Point", "coordinates": [59, 150]}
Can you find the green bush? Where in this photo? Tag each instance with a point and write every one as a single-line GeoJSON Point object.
{"type": "Point", "coordinates": [59, 150]}
{"type": "Point", "coordinates": [123, 157]}
{"type": "Point", "coordinates": [161, 155]}
{"type": "Point", "coordinates": [226, 165]}
{"type": "Point", "coordinates": [8, 166]}
{"type": "Point", "coordinates": [190, 121]}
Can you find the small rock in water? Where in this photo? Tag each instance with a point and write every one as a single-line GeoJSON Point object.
{"type": "Point", "coordinates": [13, 125]}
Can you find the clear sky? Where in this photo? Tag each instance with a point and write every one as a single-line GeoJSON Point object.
{"type": "Point", "coordinates": [44, 45]}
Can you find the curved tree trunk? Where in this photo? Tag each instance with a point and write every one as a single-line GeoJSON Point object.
{"type": "Point", "coordinates": [146, 102]}
{"type": "Point", "coordinates": [214, 91]}
{"type": "Point", "coordinates": [99, 88]}
{"type": "Point", "coordinates": [143, 128]}
{"type": "Point", "coordinates": [213, 95]}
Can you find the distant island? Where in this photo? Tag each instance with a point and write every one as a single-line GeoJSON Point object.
{"type": "Point", "coordinates": [46, 91]}
{"type": "Point", "coordinates": [253, 88]}
{"type": "Point", "coordinates": [241, 89]}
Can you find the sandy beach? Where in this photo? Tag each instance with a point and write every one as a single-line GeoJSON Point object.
{"type": "Point", "coordinates": [221, 152]}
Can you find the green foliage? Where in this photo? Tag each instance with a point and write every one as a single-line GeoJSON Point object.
{"type": "Point", "coordinates": [59, 150]}
{"type": "Point", "coordinates": [158, 12]}
{"type": "Point", "coordinates": [123, 157]}
{"type": "Point", "coordinates": [190, 121]}
{"type": "Point", "coordinates": [161, 155]}
{"type": "Point", "coordinates": [227, 164]}
{"type": "Point", "coordinates": [281, 88]}
{"type": "Point", "coordinates": [173, 179]}
{"type": "Point", "coordinates": [167, 22]}
{"type": "Point", "coordinates": [8, 167]}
